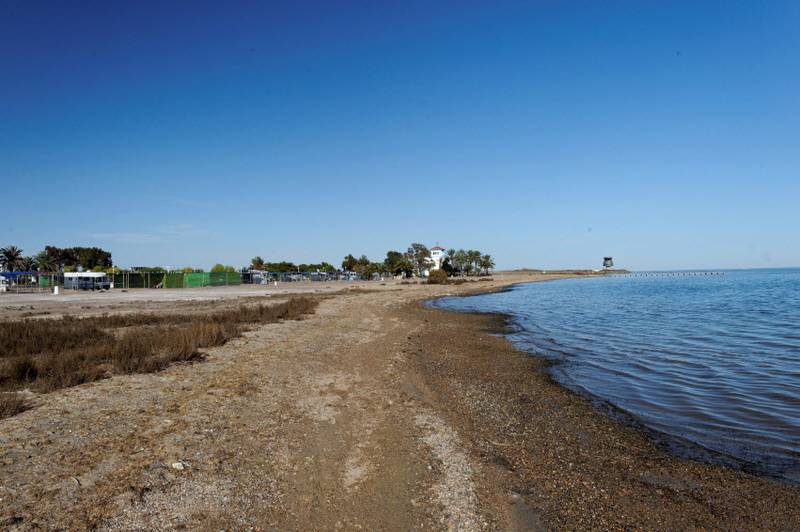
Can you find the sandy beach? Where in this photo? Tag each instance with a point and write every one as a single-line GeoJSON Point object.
{"type": "Point", "coordinates": [375, 412]}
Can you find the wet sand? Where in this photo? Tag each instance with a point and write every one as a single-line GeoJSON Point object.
{"type": "Point", "coordinates": [374, 413]}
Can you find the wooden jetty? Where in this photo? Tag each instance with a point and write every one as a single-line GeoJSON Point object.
{"type": "Point", "coordinates": [667, 274]}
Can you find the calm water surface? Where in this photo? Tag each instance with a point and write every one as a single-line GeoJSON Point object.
{"type": "Point", "coordinates": [712, 363]}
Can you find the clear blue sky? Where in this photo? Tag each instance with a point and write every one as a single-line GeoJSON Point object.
{"type": "Point", "coordinates": [666, 134]}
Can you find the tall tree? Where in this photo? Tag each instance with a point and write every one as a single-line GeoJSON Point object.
{"type": "Point", "coordinates": [257, 263]}
{"type": "Point", "coordinates": [26, 264]}
{"type": "Point", "coordinates": [367, 270]}
{"type": "Point", "coordinates": [62, 257]}
{"type": "Point", "coordinates": [282, 266]}
{"type": "Point", "coordinates": [487, 263]}
{"type": "Point", "coordinates": [45, 262]}
{"type": "Point", "coordinates": [87, 258]}
{"type": "Point", "coordinates": [362, 267]}
{"type": "Point", "coordinates": [474, 258]}
{"type": "Point", "coordinates": [94, 256]}
{"type": "Point", "coordinates": [420, 256]}
{"type": "Point", "coordinates": [349, 263]}
{"type": "Point", "coordinates": [326, 267]}
{"type": "Point", "coordinates": [460, 260]}
{"type": "Point", "coordinates": [397, 263]}
{"type": "Point", "coordinates": [11, 256]}
{"type": "Point", "coordinates": [447, 266]}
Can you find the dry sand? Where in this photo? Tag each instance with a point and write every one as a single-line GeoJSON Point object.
{"type": "Point", "coordinates": [374, 413]}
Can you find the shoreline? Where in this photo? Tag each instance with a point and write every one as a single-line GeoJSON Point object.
{"type": "Point", "coordinates": [670, 490]}
{"type": "Point", "coordinates": [669, 443]}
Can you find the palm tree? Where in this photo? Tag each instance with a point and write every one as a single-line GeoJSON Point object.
{"type": "Point", "coordinates": [45, 262]}
{"type": "Point", "coordinates": [474, 258]}
{"type": "Point", "coordinates": [487, 263]}
{"type": "Point", "coordinates": [460, 259]}
{"type": "Point", "coordinates": [26, 264]}
{"type": "Point", "coordinates": [10, 256]}
{"type": "Point", "coordinates": [449, 262]}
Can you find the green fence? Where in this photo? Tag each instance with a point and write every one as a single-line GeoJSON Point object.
{"type": "Point", "coordinates": [173, 280]}
{"type": "Point", "coordinates": [225, 278]}
{"type": "Point", "coordinates": [176, 279]}
{"type": "Point", "coordinates": [191, 280]}
{"type": "Point", "coordinates": [138, 280]}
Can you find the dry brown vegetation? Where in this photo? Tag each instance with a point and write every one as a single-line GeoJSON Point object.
{"type": "Point", "coordinates": [12, 404]}
{"type": "Point", "coordinates": [440, 277]}
{"type": "Point", "coordinates": [49, 354]}
{"type": "Point", "coordinates": [437, 277]}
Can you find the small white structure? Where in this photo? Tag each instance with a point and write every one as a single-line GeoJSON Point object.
{"type": "Point", "coordinates": [435, 261]}
{"type": "Point", "coordinates": [437, 257]}
{"type": "Point", "coordinates": [86, 281]}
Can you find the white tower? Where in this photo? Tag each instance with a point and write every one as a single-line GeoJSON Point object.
{"type": "Point", "coordinates": [437, 257]}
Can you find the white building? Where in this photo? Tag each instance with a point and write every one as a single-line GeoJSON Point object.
{"type": "Point", "coordinates": [437, 257]}
{"type": "Point", "coordinates": [435, 261]}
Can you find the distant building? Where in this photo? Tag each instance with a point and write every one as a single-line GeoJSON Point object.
{"type": "Point", "coordinates": [608, 262]}
{"type": "Point", "coordinates": [437, 257]}
{"type": "Point", "coordinates": [435, 261]}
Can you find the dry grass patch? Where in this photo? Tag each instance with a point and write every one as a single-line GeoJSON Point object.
{"type": "Point", "coordinates": [12, 404]}
{"type": "Point", "coordinates": [46, 355]}
{"type": "Point", "coordinates": [437, 277]}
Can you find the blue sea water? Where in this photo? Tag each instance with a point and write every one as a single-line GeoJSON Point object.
{"type": "Point", "coordinates": [709, 363]}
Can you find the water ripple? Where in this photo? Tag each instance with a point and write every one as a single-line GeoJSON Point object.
{"type": "Point", "coordinates": [711, 361]}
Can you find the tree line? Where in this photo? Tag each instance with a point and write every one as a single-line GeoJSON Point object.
{"type": "Point", "coordinates": [257, 263]}
{"type": "Point", "coordinates": [470, 262]}
{"type": "Point", "coordinates": [53, 259]}
{"type": "Point", "coordinates": [416, 260]}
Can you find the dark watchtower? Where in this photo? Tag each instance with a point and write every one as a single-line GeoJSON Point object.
{"type": "Point", "coordinates": [608, 262]}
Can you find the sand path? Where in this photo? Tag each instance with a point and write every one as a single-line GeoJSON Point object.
{"type": "Point", "coordinates": [298, 425]}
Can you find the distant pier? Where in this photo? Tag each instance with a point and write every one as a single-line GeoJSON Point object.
{"type": "Point", "coordinates": [667, 274]}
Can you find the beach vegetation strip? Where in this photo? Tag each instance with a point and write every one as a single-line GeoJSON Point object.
{"type": "Point", "coordinates": [48, 354]}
